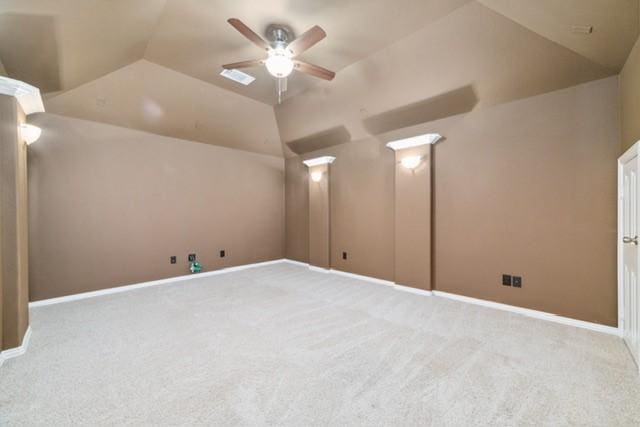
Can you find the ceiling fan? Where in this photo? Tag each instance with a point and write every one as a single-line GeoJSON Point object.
{"type": "Point", "coordinates": [281, 53]}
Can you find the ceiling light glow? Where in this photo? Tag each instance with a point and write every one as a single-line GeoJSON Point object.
{"type": "Point", "coordinates": [279, 63]}
{"type": "Point", "coordinates": [316, 176]}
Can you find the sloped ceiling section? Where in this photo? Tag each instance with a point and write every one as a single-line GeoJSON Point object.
{"type": "Point", "coordinates": [155, 99]}
{"type": "Point", "coordinates": [194, 38]}
{"type": "Point", "coordinates": [615, 25]}
{"type": "Point", "coordinates": [396, 61]}
{"type": "Point", "coordinates": [58, 45]}
{"type": "Point", "coordinates": [474, 51]}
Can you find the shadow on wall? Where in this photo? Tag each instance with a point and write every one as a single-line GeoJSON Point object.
{"type": "Point", "coordinates": [29, 50]}
{"type": "Point", "coordinates": [457, 101]}
{"type": "Point", "coordinates": [448, 104]}
{"type": "Point", "coordinates": [327, 138]}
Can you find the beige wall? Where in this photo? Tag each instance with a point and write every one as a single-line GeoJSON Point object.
{"type": "Point", "coordinates": [630, 98]}
{"type": "Point", "coordinates": [361, 185]}
{"type": "Point", "coordinates": [529, 188]}
{"type": "Point", "coordinates": [14, 278]}
{"type": "Point", "coordinates": [297, 210]}
{"type": "Point", "coordinates": [413, 220]}
{"type": "Point", "coordinates": [526, 188]}
{"type": "Point", "coordinates": [319, 218]}
{"type": "Point", "coordinates": [110, 205]}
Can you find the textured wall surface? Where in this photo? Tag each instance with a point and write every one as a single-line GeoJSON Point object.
{"type": "Point", "coordinates": [525, 188]}
{"type": "Point", "coordinates": [110, 205]}
{"type": "Point", "coordinates": [630, 98]}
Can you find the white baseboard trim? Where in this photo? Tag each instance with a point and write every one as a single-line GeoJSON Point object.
{"type": "Point", "coordinates": [17, 351]}
{"type": "Point", "coordinates": [14, 352]}
{"type": "Point", "coordinates": [236, 268]}
{"type": "Point", "coordinates": [499, 306]}
{"type": "Point", "coordinates": [127, 288]}
{"type": "Point", "coordinates": [383, 282]}
{"type": "Point", "coordinates": [365, 278]}
{"type": "Point", "coordinates": [533, 313]}
{"type": "Point", "coordinates": [411, 290]}
{"type": "Point", "coordinates": [514, 309]}
{"type": "Point", "coordinates": [294, 262]}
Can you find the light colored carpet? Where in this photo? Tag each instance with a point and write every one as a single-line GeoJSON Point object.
{"type": "Point", "coordinates": [282, 345]}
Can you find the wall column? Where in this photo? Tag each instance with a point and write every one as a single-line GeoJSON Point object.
{"type": "Point", "coordinates": [413, 211]}
{"type": "Point", "coordinates": [319, 221]}
{"type": "Point", "coordinates": [14, 281]}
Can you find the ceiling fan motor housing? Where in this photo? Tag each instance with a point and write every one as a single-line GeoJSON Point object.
{"type": "Point", "coordinates": [279, 35]}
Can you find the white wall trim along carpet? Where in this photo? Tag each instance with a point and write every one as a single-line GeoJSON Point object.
{"type": "Point", "coordinates": [505, 307]}
{"type": "Point", "coordinates": [17, 351]}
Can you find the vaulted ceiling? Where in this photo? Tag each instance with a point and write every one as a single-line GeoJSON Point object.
{"type": "Point", "coordinates": [154, 64]}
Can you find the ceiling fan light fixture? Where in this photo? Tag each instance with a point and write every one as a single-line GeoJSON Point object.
{"type": "Point", "coordinates": [283, 54]}
{"type": "Point", "coordinates": [279, 63]}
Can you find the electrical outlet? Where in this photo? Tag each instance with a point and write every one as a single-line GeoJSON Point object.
{"type": "Point", "coordinates": [344, 255]}
{"type": "Point", "coordinates": [191, 257]}
{"type": "Point", "coordinates": [506, 280]}
{"type": "Point", "coordinates": [222, 254]}
{"type": "Point", "coordinates": [173, 259]}
{"type": "Point", "coordinates": [517, 281]}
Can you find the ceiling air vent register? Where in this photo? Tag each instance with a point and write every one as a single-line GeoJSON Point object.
{"type": "Point", "coordinates": [238, 76]}
{"type": "Point", "coordinates": [582, 29]}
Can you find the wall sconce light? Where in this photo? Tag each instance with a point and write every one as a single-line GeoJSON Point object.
{"type": "Point", "coordinates": [416, 141]}
{"type": "Point", "coordinates": [29, 133]}
{"type": "Point", "coordinates": [411, 162]}
{"type": "Point", "coordinates": [325, 160]}
{"type": "Point", "coordinates": [316, 176]}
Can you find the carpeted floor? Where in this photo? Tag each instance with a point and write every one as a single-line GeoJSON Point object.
{"type": "Point", "coordinates": [282, 345]}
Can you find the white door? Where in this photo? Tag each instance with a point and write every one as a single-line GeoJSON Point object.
{"type": "Point", "coordinates": [628, 244]}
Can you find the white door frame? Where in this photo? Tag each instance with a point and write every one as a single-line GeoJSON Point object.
{"type": "Point", "coordinates": [633, 151]}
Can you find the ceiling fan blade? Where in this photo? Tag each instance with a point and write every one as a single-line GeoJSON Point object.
{"type": "Point", "coordinates": [249, 33]}
{"type": "Point", "coordinates": [243, 64]}
{"type": "Point", "coordinates": [306, 40]}
{"type": "Point", "coordinates": [313, 70]}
